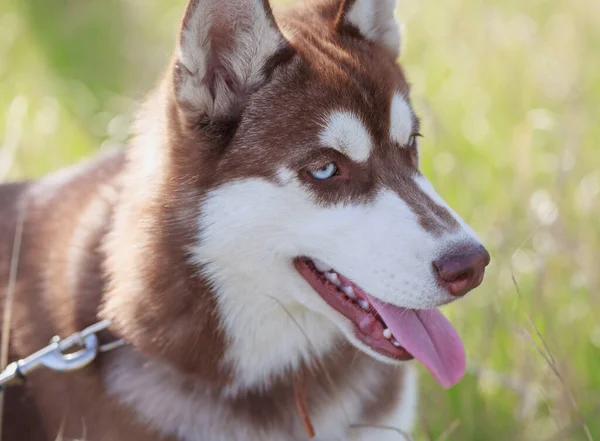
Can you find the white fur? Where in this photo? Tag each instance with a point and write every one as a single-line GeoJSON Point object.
{"type": "Point", "coordinates": [404, 414]}
{"type": "Point", "coordinates": [170, 404]}
{"type": "Point", "coordinates": [252, 37]}
{"type": "Point", "coordinates": [401, 120]}
{"type": "Point", "coordinates": [344, 131]}
{"type": "Point", "coordinates": [375, 20]}
{"type": "Point", "coordinates": [379, 245]}
{"type": "Point", "coordinates": [402, 417]}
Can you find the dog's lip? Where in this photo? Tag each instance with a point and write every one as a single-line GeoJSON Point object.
{"type": "Point", "coordinates": [369, 326]}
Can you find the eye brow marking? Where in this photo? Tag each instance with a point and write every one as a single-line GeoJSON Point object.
{"type": "Point", "coordinates": [401, 120]}
{"type": "Point", "coordinates": [345, 132]}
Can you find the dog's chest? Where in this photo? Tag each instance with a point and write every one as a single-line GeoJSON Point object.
{"type": "Point", "coordinates": [175, 407]}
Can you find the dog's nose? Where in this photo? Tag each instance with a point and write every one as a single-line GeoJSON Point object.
{"type": "Point", "coordinates": [462, 269]}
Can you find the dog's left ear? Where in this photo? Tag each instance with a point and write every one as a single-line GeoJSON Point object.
{"type": "Point", "coordinates": [224, 53]}
{"type": "Point", "coordinates": [374, 20]}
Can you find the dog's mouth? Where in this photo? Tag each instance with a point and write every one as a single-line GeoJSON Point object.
{"type": "Point", "coordinates": [392, 331]}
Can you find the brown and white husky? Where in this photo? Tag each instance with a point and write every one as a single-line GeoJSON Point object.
{"type": "Point", "coordinates": [266, 244]}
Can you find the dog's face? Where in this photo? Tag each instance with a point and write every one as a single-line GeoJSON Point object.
{"type": "Point", "coordinates": [315, 202]}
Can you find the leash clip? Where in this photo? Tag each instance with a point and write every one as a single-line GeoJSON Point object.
{"type": "Point", "coordinates": [59, 359]}
{"type": "Point", "coordinates": [62, 355]}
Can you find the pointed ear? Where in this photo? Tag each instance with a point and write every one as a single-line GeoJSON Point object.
{"type": "Point", "coordinates": [224, 51]}
{"type": "Point", "coordinates": [374, 20]}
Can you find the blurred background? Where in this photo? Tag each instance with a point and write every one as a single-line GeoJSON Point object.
{"type": "Point", "coordinates": [509, 94]}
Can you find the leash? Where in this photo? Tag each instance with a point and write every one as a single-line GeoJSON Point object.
{"type": "Point", "coordinates": [84, 348]}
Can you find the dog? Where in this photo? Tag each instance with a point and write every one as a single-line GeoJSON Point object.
{"type": "Point", "coordinates": [266, 246]}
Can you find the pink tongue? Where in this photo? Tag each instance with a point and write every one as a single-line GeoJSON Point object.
{"type": "Point", "coordinates": [429, 337]}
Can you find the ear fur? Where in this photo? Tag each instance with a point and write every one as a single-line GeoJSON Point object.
{"type": "Point", "coordinates": [223, 49]}
{"type": "Point", "coordinates": [374, 19]}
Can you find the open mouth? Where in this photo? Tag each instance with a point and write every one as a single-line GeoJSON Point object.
{"type": "Point", "coordinates": [392, 331]}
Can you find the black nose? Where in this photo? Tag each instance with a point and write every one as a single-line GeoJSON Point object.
{"type": "Point", "coordinates": [462, 269]}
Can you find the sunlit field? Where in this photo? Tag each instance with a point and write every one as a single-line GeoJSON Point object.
{"type": "Point", "coordinates": [509, 96]}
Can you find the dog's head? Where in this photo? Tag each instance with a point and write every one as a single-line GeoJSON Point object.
{"type": "Point", "coordinates": [294, 140]}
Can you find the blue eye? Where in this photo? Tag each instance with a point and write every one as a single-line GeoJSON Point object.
{"type": "Point", "coordinates": [325, 172]}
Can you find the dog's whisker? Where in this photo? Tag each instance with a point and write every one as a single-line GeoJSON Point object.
{"type": "Point", "coordinates": [356, 355]}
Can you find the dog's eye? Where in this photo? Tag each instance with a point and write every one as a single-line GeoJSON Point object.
{"type": "Point", "coordinates": [413, 149]}
{"type": "Point", "coordinates": [412, 141]}
{"type": "Point", "coordinates": [325, 172]}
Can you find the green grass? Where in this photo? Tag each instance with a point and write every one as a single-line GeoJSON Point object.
{"type": "Point", "coordinates": [509, 94]}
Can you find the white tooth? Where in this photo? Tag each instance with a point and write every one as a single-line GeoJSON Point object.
{"type": "Point", "coordinates": [321, 266]}
{"type": "Point", "coordinates": [387, 333]}
{"type": "Point", "coordinates": [364, 304]}
{"type": "Point", "coordinates": [333, 278]}
{"type": "Point", "coordinates": [396, 343]}
{"type": "Point", "coordinates": [349, 291]}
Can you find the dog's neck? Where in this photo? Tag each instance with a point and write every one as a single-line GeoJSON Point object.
{"type": "Point", "coordinates": [345, 388]}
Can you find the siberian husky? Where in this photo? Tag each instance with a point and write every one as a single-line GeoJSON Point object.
{"type": "Point", "coordinates": [266, 247]}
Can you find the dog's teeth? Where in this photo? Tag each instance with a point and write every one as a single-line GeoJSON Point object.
{"type": "Point", "coordinates": [349, 291]}
{"type": "Point", "coordinates": [364, 304]}
{"type": "Point", "coordinates": [387, 333]}
{"type": "Point", "coordinates": [396, 343]}
{"type": "Point", "coordinates": [321, 266]}
{"type": "Point", "coordinates": [333, 278]}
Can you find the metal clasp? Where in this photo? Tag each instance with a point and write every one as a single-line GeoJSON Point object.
{"type": "Point", "coordinates": [57, 360]}
{"type": "Point", "coordinates": [56, 355]}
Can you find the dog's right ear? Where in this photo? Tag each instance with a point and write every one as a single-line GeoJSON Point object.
{"type": "Point", "coordinates": [223, 56]}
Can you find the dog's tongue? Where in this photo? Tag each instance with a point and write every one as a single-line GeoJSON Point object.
{"type": "Point", "coordinates": [429, 337]}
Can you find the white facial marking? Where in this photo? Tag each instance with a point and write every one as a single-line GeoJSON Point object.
{"type": "Point", "coordinates": [401, 120]}
{"type": "Point", "coordinates": [252, 229]}
{"type": "Point", "coordinates": [285, 175]}
{"type": "Point", "coordinates": [345, 132]}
